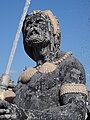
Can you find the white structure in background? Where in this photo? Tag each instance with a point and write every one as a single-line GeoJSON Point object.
{"type": "Point", "coordinates": [17, 36]}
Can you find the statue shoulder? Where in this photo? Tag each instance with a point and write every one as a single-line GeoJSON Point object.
{"type": "Point", "coordinates": [62, 57]}
{"type": "Point", "coordinates": [75, 63]}
{"type": "Point", "coordinates": [68, 59]}
{"type": "Point", "coordinates": [26, 75]}
{"type": "Point", "coordinates": [68, 63]}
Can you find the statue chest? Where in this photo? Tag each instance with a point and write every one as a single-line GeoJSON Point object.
{"type": "Point", "coordinates": [41, 90]}
{"type": "Point", "coordinates": [46, 71]}
{"type": "Point", "coordinates": [43, 77]}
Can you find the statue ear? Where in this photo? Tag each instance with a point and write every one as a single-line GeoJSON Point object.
{"type": "Point", "coordinates": [57, 37]}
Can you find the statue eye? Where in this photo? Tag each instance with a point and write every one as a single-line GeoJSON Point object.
{"type": "Point", "coordinates": [39, 21]}
{"type": "Point", "coordinates": [30, 22]}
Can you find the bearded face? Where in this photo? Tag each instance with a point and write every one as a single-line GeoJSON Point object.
{"type": "Point", "coordinates": [38, 35]}
{"type": "Point", "coordinates": [37, 30]}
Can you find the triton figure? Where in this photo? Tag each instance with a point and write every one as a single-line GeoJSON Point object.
{"type": "Point", "coordinates": [55, 88]}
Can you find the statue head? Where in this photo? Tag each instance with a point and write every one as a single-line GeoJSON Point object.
{"type": "Point", "coordinates": [40, 29]}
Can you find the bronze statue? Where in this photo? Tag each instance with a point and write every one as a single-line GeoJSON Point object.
{"type": "Point", "coordinates": [55, 89]}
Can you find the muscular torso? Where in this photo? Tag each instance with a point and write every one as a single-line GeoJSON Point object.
{"type": "Point", "coordinates": [42, 91]}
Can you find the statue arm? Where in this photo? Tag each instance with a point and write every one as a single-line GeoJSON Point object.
{"type": "Point", "coordinates": [73, 89]}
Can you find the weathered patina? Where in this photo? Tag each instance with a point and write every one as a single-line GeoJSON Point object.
{"type": "Point", "coordinates": [55, 88]}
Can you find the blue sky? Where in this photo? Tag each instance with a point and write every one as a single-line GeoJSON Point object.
{"type": "Point", "coordinates": [74, 20]}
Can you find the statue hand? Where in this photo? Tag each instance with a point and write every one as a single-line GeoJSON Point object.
{"type": "Point", "coordinates": [8, 111]}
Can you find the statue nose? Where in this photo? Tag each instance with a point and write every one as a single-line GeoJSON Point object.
{"type": "Point", "coordinates": [34, 30]}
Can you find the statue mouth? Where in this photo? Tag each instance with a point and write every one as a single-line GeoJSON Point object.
{"type": "Point", "coordinates": [34, 39]}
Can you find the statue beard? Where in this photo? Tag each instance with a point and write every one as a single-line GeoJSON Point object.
{"type": "Point", "coordinates": [37, 37]}
{"type": "Point", "coordinates": [34, 37]}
